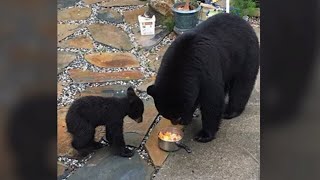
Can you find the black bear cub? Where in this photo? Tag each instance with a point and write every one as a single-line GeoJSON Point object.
{"type": "Point", "coordinates": [86, 113]}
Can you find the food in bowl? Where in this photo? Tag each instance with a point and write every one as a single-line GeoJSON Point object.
{"type": "Point", "coordinates": [169, 136]}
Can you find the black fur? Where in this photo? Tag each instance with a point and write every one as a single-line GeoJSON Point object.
{"type": "Point", "coordinates": [86, 113]}
{"type": "Point", "coordinates": [218, 57]}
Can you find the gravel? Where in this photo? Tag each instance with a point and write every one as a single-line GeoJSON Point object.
{"type": "Point", "coordinates": [71, 89]}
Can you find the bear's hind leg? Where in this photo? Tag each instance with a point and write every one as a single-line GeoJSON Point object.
{"type": "Point", "coordinates": [241, 88]}
{"type": "Point", "coordinates": [211, 105]}
{"type": "Point", "coordinates": [83, 141]}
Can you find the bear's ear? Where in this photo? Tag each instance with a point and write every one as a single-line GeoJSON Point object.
{"type": "Point", "coordinates": [151, 90]}
{"type": "Point", "coordinates": [130, 92]}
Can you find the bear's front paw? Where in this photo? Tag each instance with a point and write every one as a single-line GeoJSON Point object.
{"type": "Point", "coordinates": [203, 136]}
{"type": "Point", "coordinates": [230, 115]}
{"type": "Point", "coordinates": [185, 122]}
{"type": "Point", "coordinates": [126, 152]}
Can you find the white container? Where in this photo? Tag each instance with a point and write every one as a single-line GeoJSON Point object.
{"type": "Point", "coordinates": [147, 25]}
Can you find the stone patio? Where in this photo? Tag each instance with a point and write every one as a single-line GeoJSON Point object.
{"type": "Point", "coordinates": [101, 53]}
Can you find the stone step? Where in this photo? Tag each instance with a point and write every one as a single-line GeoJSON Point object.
{"type": "Point", "coordinates": [110, 35]}
{"type": "Point", "coordinates": [113, 3]}
{"type": "Point", "coordinates": [131, 17]}
{"type": "Point", "coordinates": [65, 30]}
{"type": "Point", "coordinates": [113, 60]}
{"type": "Point", "coordinates": [80, 76]}
{"type": "Point", "coordinates": [74, 14]}
{"type": "Point", "coordinates": [149, 41]}
{"type": "Point", "coordinates": [77, 42]}
{"type": "Point", "coordinates": [64, 138]}
{"type": "Point", "coordinates": [66, 3]}
{"type": "Point", "coordinates": [64, 58]}
{"type": "Point", "coordinates": [110, 16]}
{"type": "Point", "coordinates": [147, 82]}
{"type": "Point", "coordinates": [105, 165]}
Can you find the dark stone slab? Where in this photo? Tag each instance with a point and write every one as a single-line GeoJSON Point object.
{"type": "Point", "coordinates": [110, 16]}
{"type": "Point", "coordinates": [66, 3]}
{"type": "Point", "coordinates": [81, 76]}
{"type": "Point", "coordinates": [104, 165]}
{"type": "Point", "coordinates": [64, 58]}
{"type": "Point", "coordinates": [147, 42]}
{"type": "Point", "coordinates": [106, 91]}
{"type": "Point", "coordinates": [133, 138]}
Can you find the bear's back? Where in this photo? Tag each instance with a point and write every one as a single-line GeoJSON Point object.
{"type": "Point", "coordinates": [96, 108]}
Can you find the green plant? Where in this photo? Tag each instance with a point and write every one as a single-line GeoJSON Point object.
{"type": "Point", "coordinates": [243, 7]}
{"type": "Point", "coordinates": [169, 23]}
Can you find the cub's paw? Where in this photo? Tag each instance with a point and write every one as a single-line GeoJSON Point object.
{"type": "Point", "coordinates": [106, 141]}
{"type": "Point", "coordinates": [126, 152]}
{"type": "Point", "coordinates": [83, 153]}
{"type": "Point", "coordinates": [203, 136]}
{"type": "Point", "coordinates": [97, 145]}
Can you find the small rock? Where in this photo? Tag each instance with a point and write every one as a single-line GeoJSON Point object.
{"type": "Point", "coordinates": [113, 60]}
{"type": "Point", "coordinates": [64, 58]}
{"type": "Point", "coordinates": [66, 3]}
{"type": "Point", "coordinates": [113, 3]}
{"type": "Point", "coordinates": [111, 36]}
{"type": "Point", "coordinates": [74, 14]}
{"type": "Point", "coordinates": [65, 30]}
{"type": "Point", "coordinates": [77, 42]}
{"type": "Point", "coordinates": [110, 16]}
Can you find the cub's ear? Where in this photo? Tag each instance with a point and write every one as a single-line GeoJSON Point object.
{"type": "Point", "coordinates": [130, 92]}
{"type": "Point", "coordinates": [151, 90]}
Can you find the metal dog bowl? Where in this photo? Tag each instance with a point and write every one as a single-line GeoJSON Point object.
{"type": "Point", "coordinates": [171, 146]}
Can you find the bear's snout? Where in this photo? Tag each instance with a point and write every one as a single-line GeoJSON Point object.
{"type": "Point", "coordinates": [175, 121]}
{"type": "Point", "coordinates": [139, 120]}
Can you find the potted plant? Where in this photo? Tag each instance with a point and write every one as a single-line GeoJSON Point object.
{"type": "Point", "coordinates": [185, 15]}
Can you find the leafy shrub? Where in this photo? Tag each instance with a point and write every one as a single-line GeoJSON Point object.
{"type": "Point", "coordinates": [169, 23]}
{"type": "Point", "coordinates": [243, 7]}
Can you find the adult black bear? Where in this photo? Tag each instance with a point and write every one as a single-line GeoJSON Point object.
{"type": "Point", "coordinates": [218, 57]}
{"type": "Point", "coordinates": [86, 113]}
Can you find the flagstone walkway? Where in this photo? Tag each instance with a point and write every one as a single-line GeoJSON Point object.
{"type": "Point", "coordinates": [101, 52]}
